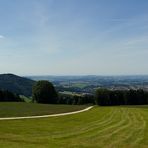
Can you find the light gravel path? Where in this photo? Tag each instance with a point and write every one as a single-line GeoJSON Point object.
{"type": "Point", "coordinates": [45, 116]}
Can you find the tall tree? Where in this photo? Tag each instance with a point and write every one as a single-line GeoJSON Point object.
{"type": "Point", "coordinates": [44, 92]}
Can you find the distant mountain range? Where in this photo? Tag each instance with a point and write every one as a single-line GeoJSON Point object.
{"type": "Point", "coordinates": [16, 84]}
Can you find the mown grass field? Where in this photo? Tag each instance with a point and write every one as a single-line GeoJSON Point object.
{"type": "Point", "coordinates": [99, 127]}
{"type": "Point", "coordinates": [20, 109]}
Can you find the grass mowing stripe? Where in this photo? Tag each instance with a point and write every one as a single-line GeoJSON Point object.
{"type": "Point", "coordinates": [139, 127]}
{"type": "Point", "coordinates": [101, 132]}
{"type": "Point", "coordinates": [122, 133]}
{"type": "Point", "coordinates": [142, 129]}
{"type": "Point", "coordinates": [98, 127]}
{"type": "Point", "coordinates": [126, 136]}
{"type": "Point", "coordinates": [88, 127]}
{"type": "Point", "coordinates": [109, 125]}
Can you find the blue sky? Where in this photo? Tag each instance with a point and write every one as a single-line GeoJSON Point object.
{"type": "Point", "coordinates": [74, 37]}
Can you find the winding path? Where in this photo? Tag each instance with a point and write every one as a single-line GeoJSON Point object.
{"type": "Point", "coordinates": [45, 116]}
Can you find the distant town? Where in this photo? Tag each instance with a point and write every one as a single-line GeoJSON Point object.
{"type": "Point", "coordinates": [88, 84]}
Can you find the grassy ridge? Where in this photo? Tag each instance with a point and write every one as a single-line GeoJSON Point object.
{"type": "Point", "coordinates": [15, 109]}
{"type": "Point", "coordinates": [99, 127]}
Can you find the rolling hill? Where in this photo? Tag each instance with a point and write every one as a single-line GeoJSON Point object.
{"type": "Point", "coordinates": [16, 84]}
{"type": "Point", "coordinates": [100, 127]}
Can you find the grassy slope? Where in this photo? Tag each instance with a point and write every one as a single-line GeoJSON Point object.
{"type": "Point", "coordinates": [98, 127]}
{"type": "Point", "coordinates": [15, 109]}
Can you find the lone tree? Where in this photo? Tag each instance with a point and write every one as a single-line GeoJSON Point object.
{"type": "Point", "coordinates": [44, 92]}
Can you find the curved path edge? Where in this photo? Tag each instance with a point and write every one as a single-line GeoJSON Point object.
{"type": "Point", "coordinates": [45, 116]}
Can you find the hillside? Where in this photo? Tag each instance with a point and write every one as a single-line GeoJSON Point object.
{"type": "Point", "coordinates": [100, 127]}
{"type": "Point", "coordinates": [16, 84]}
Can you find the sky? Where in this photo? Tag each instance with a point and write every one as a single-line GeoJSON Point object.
{"type": "Point", "coordinates": [74, 37]}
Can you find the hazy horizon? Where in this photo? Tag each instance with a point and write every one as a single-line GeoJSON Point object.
{"type": "Point", "coordinates": [74, 37]}
{"type": "Point", "coordinates": [76, 75]}
{"type": "Point", "coordinates": [86, 75]}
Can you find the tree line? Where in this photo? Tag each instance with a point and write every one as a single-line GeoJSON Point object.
{"type": "Point", "coordinates": [105, 97]}
{"type": "Point", "coordinates": [73, 99]}
{"type": "Point", "coordinates": [7, 96]}
{"type": "Point", "coordinates": [44, 92]}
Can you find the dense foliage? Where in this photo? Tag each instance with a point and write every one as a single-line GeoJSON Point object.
{"type": "Point", "coordinates": [16, 84]}
{"type": "Point", "coordinates": [44, 92]}
{"type": "Point", "coordinates": [107, 97]}
{"type": "Point", "coordinates": [7, 96]}
{"type": "Point", "coordinates": [75, 99]}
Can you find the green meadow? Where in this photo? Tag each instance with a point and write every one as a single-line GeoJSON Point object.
{"type": "Point", "coordinates": [79, 85]}
{"type": "Point", "coordinates": [19, 109]}
{"type": "Point", "coordinates": [108, 127]}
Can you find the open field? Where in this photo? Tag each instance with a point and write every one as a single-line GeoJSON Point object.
{"type": "Point", "coordinates": [19, 109]}
{"type": "Point", "coordinates": [79, 85]}
{"type": "Point", "coordinates": [98, 127]}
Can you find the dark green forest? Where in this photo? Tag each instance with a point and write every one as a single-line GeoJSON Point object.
{"type": "Point", "coordinates": [16, 84]}
{"type": "Point", "coordinates": [7, 96]}
{"type": "Point", "coordinates": [105, 97]}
